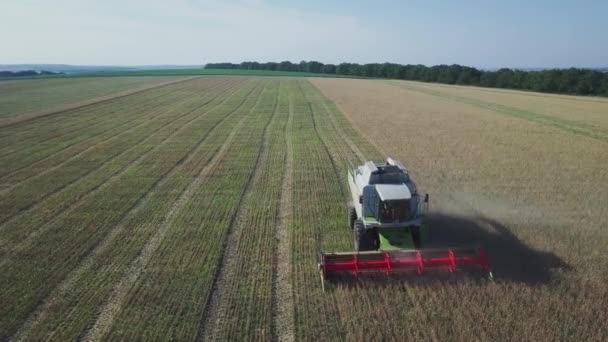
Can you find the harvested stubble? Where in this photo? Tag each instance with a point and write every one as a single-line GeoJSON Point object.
{"type": "Point", "coordinates": [521, 183]}
{"type": "Point", "coordinates": [21, 97]}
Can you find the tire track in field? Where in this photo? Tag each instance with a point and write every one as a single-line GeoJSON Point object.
{"type": "Point", "coordinates": [77, 112]}
{"type": "Point", "coordinates": [88, 118]}
{"type": "Point", "coordinates": [364, 136]}
{"type": "Point", "coordinates": [74, 143]}
{"type": "Point", "coordinates": [227, 263]}
{"type": "Point", "coordinates": [332, 154]}
{"type": "Point", "coordinates": [43, 152]}
{"type": "Point", "coordinates": [331, 157]}
{"type": "Point", "coordinates": [350, 145]}
{"type": "Point", "coordinates": [343, 134]}
{"type": "Point", "coordinates": [27, 127]}
{"type": "Point", "coordinates": [283, 322]}
{"type": "Point", "coordinates": [67, 210]}
{"type": "Point", "coordinates": [105, 140]}
{"type": "Point", "coordinates": [53, 111]}
{"type": "Point", "coordinates": [42, 311]}
{"type": "Point", "coordinates": [325, 151]}
{"type": "Point", "coordinates": [146, 138]}
{"type": "Point", "coordinates": [574, 127]}
{"type": "Point", "coordinates": [152, 104]}
{"type": "Point", "coordinates": [411, 294]}
{"type": "Point", "coordinates": [165, 173]}
{"type": "Point", "coordinates": [115, 301]}
{"type": "Point", "coordinates": [77, 121]}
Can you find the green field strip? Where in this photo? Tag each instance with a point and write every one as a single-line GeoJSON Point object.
{"type": "Point", "coordinates": [48, 128]}
{"type": "Point", "coordinates": [282, 289]}
{"type": "Point", "coordinates": [338, 313]}
{"type": "Point", "coordinates": [45, 131]}
{"type": "Point", "coordinates": [82, 301]}
{"type": "Point", "coordinates": [65, 203]}
{"type": "Point", "coordinates": [58, 250]}
{"type": "Point", "coordinates": [187, 258]}
{"type": "Point", "coordinates": [244, 303]}
{"type": "Point", "coordinates": [62, 157]}
{"type": "Point", "coordinates": [317, 206]}
{"type": "Point", "coordinates": [201, 71]}
{"type": "Point", "coordinates": [66, 200]}
{"type": "Point", "coordinates": [33, 152]}
{"type": "Point", "coordinates": [75, 112]}
{"type": "Point", "coordinates": [343, 155]}
{"type": "Point", "coordinates": [79, 139]}
{"type": "Point", "coordinates": [36, 189]}
{"type": "Point", "coordinates": [21, 97]}
{"type": "Point", "coordinates": [75, 149]}
{"type": "Point", "coordinates": [542, 119]}
{"type": "Point", "coordinates": [355, 140]}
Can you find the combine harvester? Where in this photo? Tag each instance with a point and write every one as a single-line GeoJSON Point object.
{"type": "Point", "coordinates": [387, 219]}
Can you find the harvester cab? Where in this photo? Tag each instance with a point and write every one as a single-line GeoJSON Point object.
{"type": "Point", "coordinates": [386, 215]}
{"type": "Point", "coordinates": [386, 211]}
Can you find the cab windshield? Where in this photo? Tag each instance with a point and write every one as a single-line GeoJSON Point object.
{"type": "Point", "coordinates": [388, 175]}
{"type": "Point", "coordinates": [394, 211]}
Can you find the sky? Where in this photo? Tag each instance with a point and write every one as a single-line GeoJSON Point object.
{"type": "Point", "coordinates": [484, 34]}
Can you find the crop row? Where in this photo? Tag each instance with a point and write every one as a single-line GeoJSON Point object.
{"type": "Point", "coordinates": [80, 150]}
{"type": "Point", "coordinates": [29, 222]}
{"type": "Point", "coordinates": [244, 308]}
{"type": "Point", "coordinates": [69, 118]}
{"type": "Point", "coordinates": [134, 234]}
{"type": "Point", "coordinates": [59, 248]}
{"type": "Point", "coordinates": [25, 194]}
{"type": "Point", "coordinates": [32, 95]}
{"type": "Point", "coordinates": [68, 123]}
{"type": "Point", "coordinates": [169, 297]}
{"type": "Point", "coordinates": [36, 140]}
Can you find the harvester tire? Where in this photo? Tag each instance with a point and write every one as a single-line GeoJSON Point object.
{"type": "Point", "coordinates": [365, 239]}
{"type": "Point", "coordinates": [352, 217]}
{"type": "Point", "coordinates": [415, 231]}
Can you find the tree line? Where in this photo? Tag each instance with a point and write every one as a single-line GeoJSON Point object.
{"type": "Point", "coordinates": [24, 73]}
{"type": "Point", "coordinates": [574, 81]}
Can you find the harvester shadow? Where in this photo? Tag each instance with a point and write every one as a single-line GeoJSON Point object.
{"type": "Point", "coordinates": [510, 258]}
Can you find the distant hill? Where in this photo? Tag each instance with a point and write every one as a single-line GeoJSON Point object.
{"type": "Point", "coordinates": [27, 73]}
{"type": "Point", "coordinates": [73, 69]}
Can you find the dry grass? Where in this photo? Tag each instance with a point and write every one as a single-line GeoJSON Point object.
{"type": "Point", "coordinates": [532, 193]}
{"type": "Point", "coordinates": [586, 110]}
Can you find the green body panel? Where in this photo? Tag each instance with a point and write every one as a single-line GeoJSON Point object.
{"type": "Point", "coordinates": [400, 238]}
{"type": "Point", "coordinates": [395, 238]}
{"type": "Point", "coordinates": [425, 233]}
{"type": "Point", "coordinates": [369, 220]}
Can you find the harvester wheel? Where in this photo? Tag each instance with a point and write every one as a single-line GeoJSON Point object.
{"type": "Point", "coordinates": [365, 239]}
{"type": "Point", "coordinates": [352, 217]}
{"type": "Point", "coordinates": [415, 236]}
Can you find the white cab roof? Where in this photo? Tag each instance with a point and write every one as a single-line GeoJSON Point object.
{"type": "Point", "coordinates": [390, 192]}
